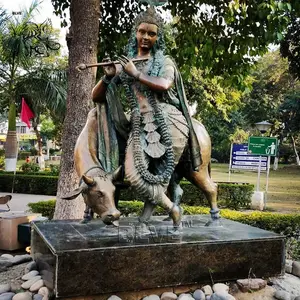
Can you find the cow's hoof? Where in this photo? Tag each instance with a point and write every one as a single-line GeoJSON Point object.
{"type": "Point", "coordinates": [85, 220]}
{"type": "Point", "coordinates": [176, 214]}
{"type": "Point", "coordinates": [215, 218]}
{"type": "Point", "coordinates": [143, 228]}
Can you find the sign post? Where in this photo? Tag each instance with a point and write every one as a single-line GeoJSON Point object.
{"type": "Point", "coordinates": [263, 146]}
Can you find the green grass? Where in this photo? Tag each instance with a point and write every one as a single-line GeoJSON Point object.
{"type": "Point", "coordinates": [284, 185]}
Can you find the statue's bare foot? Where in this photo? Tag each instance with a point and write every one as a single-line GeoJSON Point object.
{"type": "Point", "coordinates": [176, 214]}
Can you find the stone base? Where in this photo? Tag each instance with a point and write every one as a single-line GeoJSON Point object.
{"type": "Point", "coordinates": [91, 259]}
{"type": "Point", "coordinates": [258, 200]}
{"type": "Point", "coordinates": [9, 222]}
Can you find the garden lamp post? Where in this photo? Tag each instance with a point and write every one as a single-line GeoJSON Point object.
{"type": "Point", "coordinates": [263, 127]}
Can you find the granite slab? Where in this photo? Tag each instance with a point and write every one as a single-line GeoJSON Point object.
{"type": "Point", "coordinates": [89, 259]}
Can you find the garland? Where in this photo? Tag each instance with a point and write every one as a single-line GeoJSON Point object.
{"type": "Point", "coordinates": [166, 139]}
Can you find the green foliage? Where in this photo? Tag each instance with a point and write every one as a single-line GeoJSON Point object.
{"type": "Point", "coordinates": [29, 184]}
{"type": "Point", "coordinates": [220, 37]}
{"type": "Point", "coordinates": [46, 208]}
{"type": "Point", "coordinates": [287, 224]}
{"type": "Point", "coordinates": [54, 170]}
{"type": "Point", "coordinates": [2, 161]}
{"type": "Point", "coordinates": [231, 195]}
{"type": "Point", "coordinates": [29, 168]}
{"type": "Point", "coordinates": [23, 154]}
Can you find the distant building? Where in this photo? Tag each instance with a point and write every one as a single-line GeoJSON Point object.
{"type": "Point", "coordinates": [23, 132]}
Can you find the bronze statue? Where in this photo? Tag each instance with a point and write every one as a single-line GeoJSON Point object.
{"type": "Point", "coordinates": [162, 141]}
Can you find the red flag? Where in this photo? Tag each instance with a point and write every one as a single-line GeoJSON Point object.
{"type": "Point", "coordinates": [26, 113]}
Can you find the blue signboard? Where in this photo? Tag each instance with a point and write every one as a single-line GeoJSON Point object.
{"type": "Point", "coordinates": [241, 159]}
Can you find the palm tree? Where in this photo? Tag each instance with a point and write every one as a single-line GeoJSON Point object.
{"type": "Point", "coordinates": [44, 88]}
{"type": "Point", "coordinates": [21, 42]}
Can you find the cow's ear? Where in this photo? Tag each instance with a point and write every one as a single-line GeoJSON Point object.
{"type": "Point", "coordinates": [116, 174]}
{"type": "Point", "coordinates": [73, 194]}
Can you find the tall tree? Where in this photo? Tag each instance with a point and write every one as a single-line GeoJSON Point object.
{"type": "Point", "coordinates": [220, 37]}
{"type": "Point", "coordinates": [82, 42]}
{"type": "Point", "coordinates": [20, 41]}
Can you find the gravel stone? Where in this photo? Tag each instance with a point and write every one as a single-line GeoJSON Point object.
{"type": "Point", "coordinates": [221, 296]}
{"type": "Point", "coordinates": [7, 296]}
{"type": "Point", "coordinates": [37, 297]}
{"type": "Point", "coordinates": [30, 267]}
{"type": "Point", "coordinates": [4, 288]}
{"type": "Point", "coordinates": [251, 284]}
{"type": "Point", "coordinates": [207, 290]}
{"type": "Point", "coordinates": [185, 297]}
{"type": "Point", "coordinates": [282, 295]}
{"type": "Point", "coordinates": [151, 297]}
{"type": "Point", "coordinates": [22, 296]}
{"type": "Point", "coordinates": [296, 268]}
{"type": "Point", "coordinates": [19, 259]}
{"type": "Point", "coordinates": [37, 285]}
{"type": "Point", "coordinates": [220, 287]}
{"type": "Point", "coordinates": [30, 275]}
{"type": "Point", "coordinates": [168, 296]}
{"type": "Point", "coordinates": [27, 284]}
{"type": "Point", "coordinates": [7, 256]}
{"type": "Point", "coordinates": [199, 295]}
{"type": "Point", "coordinates": [114, 297]}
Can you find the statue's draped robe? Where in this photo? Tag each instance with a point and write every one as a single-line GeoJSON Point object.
{"type": "Point", "coordinates": [114, 126]}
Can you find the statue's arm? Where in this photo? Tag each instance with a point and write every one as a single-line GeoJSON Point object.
{"type": "Point", "coordinates": [99, 91]}
{"type": "Point", "coordinates": [159, 84]}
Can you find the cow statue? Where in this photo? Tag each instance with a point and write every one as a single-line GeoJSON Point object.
{"type": "Point", "coordinates": [98, 187]}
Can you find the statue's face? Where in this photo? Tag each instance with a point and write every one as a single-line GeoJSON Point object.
{"type": "Point", "coordinates": [146, 36]}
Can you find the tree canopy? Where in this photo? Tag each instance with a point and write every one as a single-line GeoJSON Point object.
{"type": "Point", "coordinates": [222, 38]}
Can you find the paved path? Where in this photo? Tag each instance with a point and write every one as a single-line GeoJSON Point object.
{"type": "Point", "coordinates": [19, 201]}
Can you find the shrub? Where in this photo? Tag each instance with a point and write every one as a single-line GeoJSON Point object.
{"type": "Point", "coordinates": [287, 224]}
{"type": "Point", "coordinates": [54, 170]}
{"type": "Point", "coordinates": [46, 208]}
{"type": "Point", "coordinates": [2, 162]}
{"type": "Point", "coordinates": [29, 168]}
{"type": "Point", "coordinates": [23, 154]}
{"type": "Point", "coordinates": [29, 184]}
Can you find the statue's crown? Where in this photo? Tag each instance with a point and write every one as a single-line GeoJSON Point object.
{"type": "Point", "coordinates": [149, 16]}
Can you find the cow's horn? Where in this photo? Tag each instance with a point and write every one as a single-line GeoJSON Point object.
{"type": "Point", "coordinates": [116, 173]}
{"type": "Point", "coordinates": [88, 180]}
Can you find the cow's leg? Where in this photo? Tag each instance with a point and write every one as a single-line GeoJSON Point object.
{"type": "Point", "coordinates": [202, 180]}
{"type": "Point", "coordinates": [88, 214]}
{"type": "Point", "coordinates": [154, 193]}
{"type": "Point", "coordinates": [147, 212]}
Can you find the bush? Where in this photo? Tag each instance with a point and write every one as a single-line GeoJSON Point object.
{"type": "Point", "coordinates": [2, 162]}
{"type": "Point", "coordinates": [287, 224]}
{"type": "Point", "coordinates": [23, 154]}
{"type": "Point", "coordinates": [29, 168]}
{"type": "Point", "coordinates": [46, 208]}
{"type": "Point", "coordinates": [54, 170]}
{"type": "Point", "coordinates": [231, 195]}
{"type": "Point", "coordinates": [29, 184]}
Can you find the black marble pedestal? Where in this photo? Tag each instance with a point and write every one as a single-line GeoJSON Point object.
{"type": "Point", "coordinates": [88, 259]}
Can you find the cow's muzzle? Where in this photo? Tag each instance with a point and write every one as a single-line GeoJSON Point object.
{"type": "Point", "coordinates": [110, 217]}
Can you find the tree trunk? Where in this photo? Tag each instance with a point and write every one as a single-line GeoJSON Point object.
{"type": "Point", "coordinates": [295, 150]}
{"type": "Point", "coordinates": [82, 42]}
{"type": "Point", "coordinates": [11, 144]}
{"type": "Point", "coordinates": [41, 160]}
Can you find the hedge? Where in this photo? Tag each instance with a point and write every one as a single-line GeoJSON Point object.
{"type": "Point", "coordinates": [29, 184]}
{"type": "Point", "coordinates": [287, 224]}
{"type": "Point", "coordinates": [230, 195]}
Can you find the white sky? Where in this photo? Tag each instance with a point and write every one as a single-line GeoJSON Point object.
{"type": "Point", "coordinates": [45, 12]}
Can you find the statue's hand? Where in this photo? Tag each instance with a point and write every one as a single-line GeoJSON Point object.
{"type": "Point", "coordinates": [129, 67]}
{"type": "Point", "coordinates": [110, 70]}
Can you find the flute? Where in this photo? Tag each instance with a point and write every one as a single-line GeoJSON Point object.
{"type": "Point", "coordinates": [106, 63]}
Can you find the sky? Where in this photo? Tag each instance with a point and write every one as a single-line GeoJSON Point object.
{"type": "Point", "coordinates": [45, 12]}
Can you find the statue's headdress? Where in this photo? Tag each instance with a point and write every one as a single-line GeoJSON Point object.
{"type": "Point", "coordinates": [149, 16]}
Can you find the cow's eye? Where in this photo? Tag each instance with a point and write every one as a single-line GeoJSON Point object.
{"type": "Point", "coordinates": [100, 194]}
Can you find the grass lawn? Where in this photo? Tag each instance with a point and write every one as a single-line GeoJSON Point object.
{"type": "Point", "coordinates": [284, 185]}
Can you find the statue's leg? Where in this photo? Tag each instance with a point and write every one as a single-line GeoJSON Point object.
{"type": "Point", "coordinates": [153, 193]}
{"type": "Point", "coordinates": [174, 189]}
{"type": "Point", "coordinates": [88, 214]}
{"type": "Point", "coordinates": [203, 181]}
{"type": "Point", "coordinates": [147, 212]}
